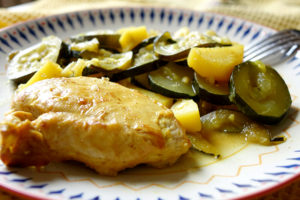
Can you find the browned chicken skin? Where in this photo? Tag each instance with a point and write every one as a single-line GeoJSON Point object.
{"type": "Point", "coordinates": [102, 124]}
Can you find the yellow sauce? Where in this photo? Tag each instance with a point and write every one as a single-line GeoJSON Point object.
{"type": "Point", "coordinates": [229, 145]}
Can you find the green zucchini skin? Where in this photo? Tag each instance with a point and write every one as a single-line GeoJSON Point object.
{"type": "Point", "coordinates": [66, 55]}
{"type": "Point", "coordinates": [144, 61]}
{"type": "Point", "coordinates": [270, 105]}
{"type": "Point", "coordinates": [22, 79]}
{"type": "Point", "coordinates": [168, 49]}
{"type": "Point", "coordinates": [137, 70]}
{"type": "Point", "coordinates": [107, 41]}
{"type": "Point", "coordinates": [91, 70]}
{"type": "Point", "coordinates": [215, 94]}
{"type": "Point", "coordinates": [141, 81]}
{"type": "Point", "coordinates": [143, 44]}
{"type": "Point", "coordinates": [168, 81]}
{"type": "Point", "coordinates": [165, 40]}
{"type": "Point", "coordinates": [23, 64]}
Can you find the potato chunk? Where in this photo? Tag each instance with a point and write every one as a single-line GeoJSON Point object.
{"type": "Point", "coordinates": [187, 113]}
{"type": "Point", "coordinates": [48, 70]}
{"type": "Point", "coordinates": [132, 36]}
{"type": "Point", "coordinates": [215, 63]}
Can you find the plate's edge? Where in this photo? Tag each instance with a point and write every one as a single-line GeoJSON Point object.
{"type": "Point", "coordinates": [7, 28]}
{"type": "Point", "coordinates": [261, 193]}
{"type": "Point", "coordinates": [21, 194]}
{"type": "Point", "coordinates": [271, 189]}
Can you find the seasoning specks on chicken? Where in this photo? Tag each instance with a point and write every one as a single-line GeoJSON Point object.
{"type": "Point", "coordinates": [102, 124]}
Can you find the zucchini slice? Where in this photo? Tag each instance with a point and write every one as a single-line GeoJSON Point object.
{"type": "Point", "coordinates": [137, 70]}
{"type": "Point", "coordinates": [172, 50]}
{"type": "Point", "coordinates": [259, 92]}
{"type": "Point", "coordinates": [89, 45]}
{"type": "Point", "coordinates": [141, 81]}
{"type": "Point", "coordinates": [93, 71]}
{"type": "Point", "coordinates": [173, 80]}
{"type": "Point", "coordinates": [224, 129]}
{"type": "Point", "coordinates": [66, 55]}
{"type": "Point", "coordinates": [107, 41]}
{"type": "Point", "coordinates": [107, 60]}
{"type": "Point", "coordinates": [144, 61]}
{"type": "Point", "coordinates": [216, 93]}
{"type": "Point", "coordinates": [168, 49]}
{"type": "Point", "coordinates": [203, 145]}
{"type": "Point", "coordinates": [28, 61]}
{"type": "Point", "coordinates": [143, 44]}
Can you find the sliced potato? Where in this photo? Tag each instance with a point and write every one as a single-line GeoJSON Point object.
{"type": "Point", "coordinates": [48, 70]}
{"type": "Point", "coordinates": [187, 113]}
{"type": "Point", "coordinates": [215, 63]}
{"type": "Point", "coordinates": [132, 36]}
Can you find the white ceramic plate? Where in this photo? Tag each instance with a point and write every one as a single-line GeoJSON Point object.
{"type": "Point", "coordinates": [252, 171]}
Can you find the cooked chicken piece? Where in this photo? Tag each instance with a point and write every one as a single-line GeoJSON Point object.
{"type": "Point", "coordinates": [102, 124]}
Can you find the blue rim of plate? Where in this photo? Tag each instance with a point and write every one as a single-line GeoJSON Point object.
{"type": "Point", "coordinates": [22, 35]}
{"type": "Point", "coordinates": [19, 35]}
